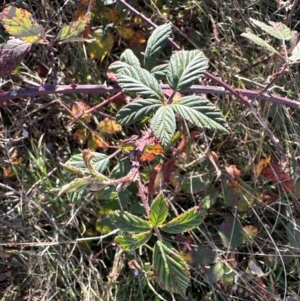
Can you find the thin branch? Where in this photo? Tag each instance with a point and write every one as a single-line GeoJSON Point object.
{"type": "Point", "coordinates": [102, 89]}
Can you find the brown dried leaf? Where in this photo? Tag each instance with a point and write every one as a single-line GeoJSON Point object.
{"type": "Point", "coordinates": [79, 108]}
{"type": "Point", "coordinates": [109, 126]}
{"type": "Point", "coordinates": [159, 176]}
{"type": "Point", "coordinates": [233, 171]}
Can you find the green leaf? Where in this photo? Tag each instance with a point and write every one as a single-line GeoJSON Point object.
{"type": "Point", "coordinates": [193, 183]}
{"type": "Point", "coordinates": [76, 163]}
{"type": "Point", "coordinates": [295, 54]}
{"type": "Point", "coordinates": [134, 242]}
{"type": "Point", "coordinates": [137, 110]}
{"type": "Point", "coordinates": [204, 255]}
{"type": "Point", "coordinates": [160, 71]}
{"type": "Point", "coordinates": [138, 80]}
{"type": "Point", "coordinates": [278, 30]}
{"type": "Point", "coordinates": [74, 29]}
{"type": "Point", "coordinates": [129, 222]}
{"type": "Point", "coordinates": [129, 57]}
{"type": "Point", "coordinates": [186, 67]}
{"type": "Point", "coordinates": [170, 270]}
{"type": "Point", "coordinates": [199, 111]}
{"type": "Point", "coordinates": [258, 41]}
{"type": "Point", "coordinates": [19, 23]}
{"type": "Point", "coordinates": [189, 220]}
{"type": "Point", "coordinates": [101, 46]}
{"type": "Point", "coordinates": [117, 66]}
{"type": "Point", "coordinates": [159, 211]}
{"type": "Point", "coordinates": [156, 43]}
{"type": "Point", "coordinates": [213, 273]}
{"type": "Point", "coordinates": [121, 169]}
{"type": "Point", "coordinates": [76, 185]}
{"type": "Point", "coordinates": [231, 232]}
{"type": "Point", "coordinates": [163, 124]}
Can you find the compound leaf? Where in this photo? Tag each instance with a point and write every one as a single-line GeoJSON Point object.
{"type": "Point", "coordinates": [159, 211]}
{"type": "Point", "coordinates": [134, 242]}
{"type": "Point", "coordinates": [170, 270]}
{"type": "Point", "coordinates": [130, 58]}
{"type": "Point", "coordinates": [199, 111]}
{"type": "Point", "coordinates": [138, 80]}
{"type": "Point", "coordinates": [185, 67]}
{"type": "Point", "coordinates": [258, 41]}
{"type": "Point", "coordinates": [187, 221]}
{"type": "Point", "coordinates": [129, 222]}
{"type": "Point", "coordinates": [156, 43]}
{"type": "Point", "coordinates": [163, 124]}
{"type": "Point", "coordinates": [19, 23]}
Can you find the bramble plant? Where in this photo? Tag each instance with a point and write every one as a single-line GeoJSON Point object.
{"type": "Point", "coordinates": [163, 106]}
{"type": "Point", "coordinates": [184, 69]}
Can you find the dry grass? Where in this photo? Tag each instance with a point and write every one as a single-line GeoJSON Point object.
{"type": "Point", "coordinates": [41, 257]}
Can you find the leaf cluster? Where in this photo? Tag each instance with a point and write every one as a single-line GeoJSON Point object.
{"type": "Point", "coordinates": [183, 70]}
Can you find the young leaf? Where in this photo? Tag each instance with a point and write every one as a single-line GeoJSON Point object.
{"type": "Point", "coordinates": [199, 111]}
{"type": "Point", "coordinates": [19, 23]}
{"type": "Point", "coordinates": [187, 221]}
{"type": "Point", "coordinates": [137, 110]}
{"type": "Point", "coordinates": [231, 232]}
{"type": "Point", "coordinates": [185, 67]}
{"type": "Point", "coordinates": [129, 222]}
{"type": "Point", "coordinates": [163, 124]}
{"type": "Point", "coordinates": [170, 270]}
{"type": "Point", "coordinates": [73, 29]}
{"type": "Point", "coordinates": [138, 80]}
{"type": "Point", "coordinates": [129, 57]}
{"type": "Point", "coordinates": [159, 211]}
{"type": "Point", "coordinates": [156, 43]}
{"type": "Point", "coordinates": [160, 71]}
{"type": "Point", "coordinates": [76, 185]}
{"type": "Point", "coordinates": [134, 242]}
{"type": "Point", "coordinates": [258, 41]}
{"type": "Point", "coordinates": [278, 30]}
{"type": "Point", "coordinates": [11, 54]}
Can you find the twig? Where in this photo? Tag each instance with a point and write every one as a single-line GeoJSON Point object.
{"type": "Point", "coordinates": [102, 89]}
